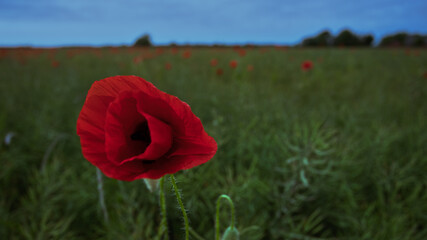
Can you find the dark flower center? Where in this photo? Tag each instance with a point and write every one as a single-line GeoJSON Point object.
{"type": "Point", "coordinates": [141, 133]}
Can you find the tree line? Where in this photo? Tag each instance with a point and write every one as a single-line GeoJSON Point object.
{"type": "Point", "coordinates": [348, 38]}
{"type": "Point", "coordinates": [343, 39]}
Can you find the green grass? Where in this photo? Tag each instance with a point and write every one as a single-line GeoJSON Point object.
{"type": "Point", "coordinates": [339, 152]}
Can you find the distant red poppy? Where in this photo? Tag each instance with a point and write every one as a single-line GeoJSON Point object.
{"type": "Point", "coordinates": [149, 55]}
{"type": "Point", "coordinates": [186, 54]}
{"type": "Point", "coordinates": [168, 66]}
{"type": "Point", "coordinates": [219, 71]}
{"type": "Point", "coordinates": [214, 62]}
{"type": "Point", "coordinates": [425, 75]}
{"type": "Point", "coordinates": [242, 52]}
{"type": "Point", "coordinates": [233, 63]}
{"type": "Point", "coordinates": [159, 51]}
{"type": "Point", "coordinates": [3, 53]}
{"type": "Point", "coordinates": [55, 64]}
{"type": "Point", "coordinates": [137, 59]}
{"type": "Point", "coordinates": [250, 68]}
{"type": "Point", "coordinates": [130, 130]}
{"type": "Point", "coordinates": [307, 65]}
{"type": "Point", "coordinates": [174, 50]}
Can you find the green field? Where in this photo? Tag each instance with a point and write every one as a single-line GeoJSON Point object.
{"type": "Point", "coordinates": [337, 152]}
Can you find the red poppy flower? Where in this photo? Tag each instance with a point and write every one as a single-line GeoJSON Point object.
{"type": "Point", "coordinates": [159, 51]}
{"type": "Point", "coordinates": [242, 52]}
{"type": "Point", "coordinates": [168, 66]}
{"type": "Point", "coordinates": [425, 75]}
{"type": "Point", "coordinates": [214, 62]}
{"type": "Point", "coordinates": [307, 65]}
{"type": "Point", "coordinates": [55, 64]}
{"type": "Point", "coordinates": [233, 64]}
{"type": "Point", "coordinates": [174, 50]}
{"type": "Point", "coordinates": [130, 130]}
{"type": "Point", "coordinates": [219, 72]}
{"type": "Point", "coordinates": [186, 54]}
{"type": "Point", "coordinates": [250, 68]}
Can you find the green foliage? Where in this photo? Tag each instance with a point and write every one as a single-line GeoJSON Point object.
{"type": "Point", "coordinates": [347, 38]}
{"type": "Point", "coordinates": [143, 41]}
{"type": "Point", "coordinates": [334, 153]}
{"type": "Point", "coordinates": [404, 39]}
{"type": "Point", "coordinates": [367, 40]}
{"type": "Point", "coordinates": [322, 40]}
{"type": "Point", "coordinates": [344, 38]}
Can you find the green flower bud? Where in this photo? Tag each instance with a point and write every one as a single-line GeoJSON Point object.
{"type": "Point", "coordinates": [152, 184]}
{"type": "Point", "coordinates": [231, 234]}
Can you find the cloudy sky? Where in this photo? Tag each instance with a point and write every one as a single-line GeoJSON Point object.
{"type": "Point", "coordinates": [115, 22]}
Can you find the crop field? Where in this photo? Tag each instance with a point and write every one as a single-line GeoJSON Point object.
{"type": "Point", "coordinates": [334, 151]}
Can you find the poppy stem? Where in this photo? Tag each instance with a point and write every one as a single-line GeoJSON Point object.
{"type": "Point", "coordinates": [101, 194]}
{"type": "Point", "coordinates": [218, 204]}
{"type": "Point", "coordinates": [164, 224]}
{"type": "Point", "coordinates": [178, 198]}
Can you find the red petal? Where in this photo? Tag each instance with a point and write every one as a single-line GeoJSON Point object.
{"type": "Point", "coordinates": [161, 139]}
{"type": "Point", "coordinates": [121, 121]}
{"type": "Point", "coordinates": [113, 86]}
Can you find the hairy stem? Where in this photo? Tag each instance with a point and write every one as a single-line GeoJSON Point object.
{"type": "Point", "coordinates": [164, 224]}
{"type": "Point", "coordinates": [178, 198]}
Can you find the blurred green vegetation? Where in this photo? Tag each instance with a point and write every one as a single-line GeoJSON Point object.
{"type": "Point", "coordinates": [338, 152]}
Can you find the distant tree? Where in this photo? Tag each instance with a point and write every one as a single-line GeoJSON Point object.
{"type": "Point", "coordinates": [309, 42]}
{"type": "Point", "coordinates": [367, 40]}
{"type": "Point", "coordinates": [347, 38]}
{"type": "Point", "coordinates": [323, 39]}
{"type": "Point", "coordinates": [403, 39]}
{"type": "Point", "coordinates": [143, 41]}
{"type": "Point", "coordinates": [395, 40]}
{"type": "Point", "coordinates": [419, 41]}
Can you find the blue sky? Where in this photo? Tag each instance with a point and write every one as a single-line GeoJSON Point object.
{"type": "Point", "coordinates": [115, 22]}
